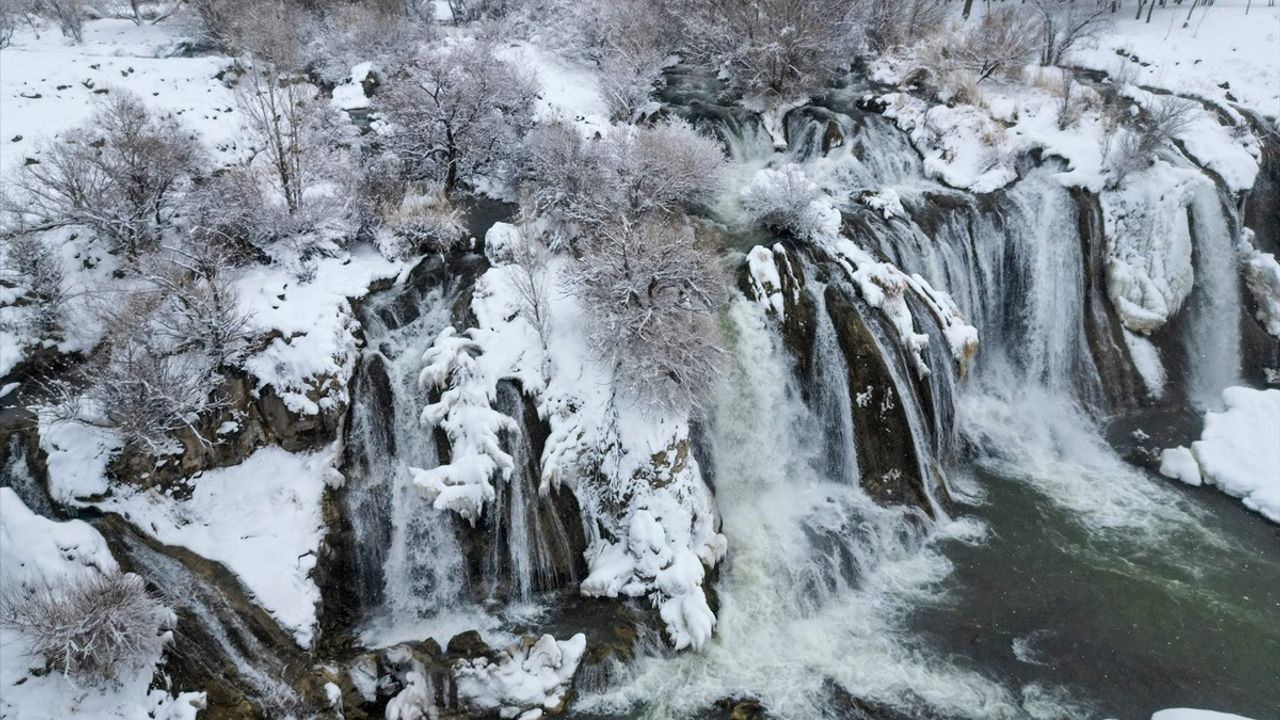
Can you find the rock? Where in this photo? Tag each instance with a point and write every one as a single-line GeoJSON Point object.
{"type": "Point", "coordinates": [468, 644]}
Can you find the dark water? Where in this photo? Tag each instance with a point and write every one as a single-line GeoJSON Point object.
{"type": "Point", "coordinates": [1124, 627]}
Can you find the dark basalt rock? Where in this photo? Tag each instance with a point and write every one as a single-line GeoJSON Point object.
{"type": "Point", "coordinates": [890, 469]}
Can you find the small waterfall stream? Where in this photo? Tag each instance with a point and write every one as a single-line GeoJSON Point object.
{"type": "Point", "coordinates": [423, 572]}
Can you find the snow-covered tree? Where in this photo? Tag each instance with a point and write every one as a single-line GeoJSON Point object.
{"type": "Point", "coordinates": [95, 628]}
{"type": "Point", "coordinates": [458, 116]}
{"type": "Point", "coordinates": [632, 172]}
{"type": "Point", "coordinates": [651, 292]}
{"type": "Point", "coordinates": [777, 50]}
{"type": "Point", "coordinates": [119, 176]}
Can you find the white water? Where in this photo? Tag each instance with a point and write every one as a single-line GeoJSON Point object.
{"type": "Point", "coordinates": [1213, 337]}
{"type": "Point", "coordinates": [818, 575]}
{"type": "Point", "coordinates": [422, 574]}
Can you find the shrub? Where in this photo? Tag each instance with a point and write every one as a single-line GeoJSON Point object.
{"type": "Point", "coordinates": [95, 628]}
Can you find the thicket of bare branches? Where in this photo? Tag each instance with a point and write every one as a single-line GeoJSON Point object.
{"type": "Point", "coordinates": [581, 184]}
{"type": "Point", "coordinates": [118, 175]}
{"type": "Point", "coordinates": [777, 50]}
{"type": "Point", "coordinates": [94, 628]}
{"type": "Point", "coordinates": [1064, 24]}
{"type": "Point", "coordinates": [1138, 138]}
{"type": "Point", "coordinates": [651, 293]}
{"type": "Point", "coordinates": [458, 116]}
{"type": "Point", "coordinates": [33, 267]}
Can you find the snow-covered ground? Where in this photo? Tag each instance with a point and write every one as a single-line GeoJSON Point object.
{"type": "Point", "coordinates": [262, 519]}
{"type": "Point", "coordinates": [1222, 55]}
{"type": "Point", "coordinates": [48, 86]}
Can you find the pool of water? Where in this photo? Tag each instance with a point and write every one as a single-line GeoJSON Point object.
{"type": "Point", "coordinates": [1116, 623]}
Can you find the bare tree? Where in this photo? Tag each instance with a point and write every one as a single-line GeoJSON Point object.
{"type": "Point", "coordinates": [95, 628]}
{"type": "Point", "coordinates": [199, 307]}
{"type": "Point", "coordinates": [1064, 24]}
{"type": "Point", "coordinates": [651, 293]}
{"type": "Point", "coordinates": [119, 176]}
{"type": "Point", "coordinates": [459, 116]}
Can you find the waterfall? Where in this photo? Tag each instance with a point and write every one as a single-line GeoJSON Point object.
{"type": "Point", "coordinates": [1213, 337]}
{"type": "Point", "coordinates": [818, 574]}
{"type": "Point", "coordinates": [423, 572]}
{"type": "Point", "coordinates": [533, 542]}
{"type": "Point", "coordinates": [409, 560]}
{"type": "Point", "coordinates": [829, 388]}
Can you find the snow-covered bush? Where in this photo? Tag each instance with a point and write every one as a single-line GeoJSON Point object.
{"type": "Point", "coordinates": [776, 50]}
{"type": "Point", "coordinates": [651, 292]}
{"type": "Point", "coordinates": [1139, 137]}
{"type": "Point", "coordinates": [118, 176]}
{"type": "Point", "coordinates": [421, 222]}
{"type": "Point", "coordinates": [95, 628]}
{"type": "Point", "coordinates": [459, 115]}
{"type": "Point", "coordinates": [32, 267]}
{"type": "Point", "coordinates": [781, 199]}
{"type": "Point", "coordinates": [584, 185]}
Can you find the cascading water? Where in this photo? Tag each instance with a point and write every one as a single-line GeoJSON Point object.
{"type": "Point", "coordinates": [424, 572]}
{"type": "Point", "coordinates": [811, 598]}
{"type": "Point", "coordinates": [408, 556]}
{"type": "Point", "coordinates": [831, 400]}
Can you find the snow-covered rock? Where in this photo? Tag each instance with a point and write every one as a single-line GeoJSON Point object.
{"type": "Point", "coordinates": [262, 519]}
{"type": "Point", "coordinates": [1193, 714]}
{"type": "Point", "coordinates": [1148, 227]}
{"type": "Point", "coordinates": [1239, 452]}
{"type": "Point", "coordinates": [1180, 464]}
{"type": "Point", "coordinates": [526, 678]}
{"type": "Point", "coordinates": [1262, 277]}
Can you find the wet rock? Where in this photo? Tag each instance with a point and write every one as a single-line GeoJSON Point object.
{"type": "Point", "coordinates": [468, 644]}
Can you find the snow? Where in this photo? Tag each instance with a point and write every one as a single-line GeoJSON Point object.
{"type": "Point", "coordinates": [1146, 360]}
{"type": "Point", "coordinates": [48, 87]}
{"type": "Point", "coordinates": [567, 90]}
{"type": "Point", "coordinates": [524, 679]}
{"type": "Point", "coordinates": [1180, 464]}
{"type": "Point", "coordinates": [262, 519]}
{"type": "Point", "coordinates": [78, 455]}
{"type": "Point", "coordinates": [1224, 55]}
{"type": "Point", "coordinates": [1148, 231]}
{"type": "Point", "coordinates": [962, 146]}
{"type": "Point", "coordinates": [465, 412]}
{"type": "Point", "coordinates": [762, 269]}
{"type": "Point", "coordinates": [36, 549]}
{"type": "Point", "coordinates": [349, 95]}
{"type": "Point", "coordinates": [1262, 277]}
{"type": "Point", "coordinates": [1191, 714]}
{"type": "Point", "coordinates": [624, 449]}
{"type": "Point", "coordinates": [310, 359]}
{"type": "Point", "coordinates": [887, 201]}
{"type": "Point", "coordinates": [1239, 452]}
